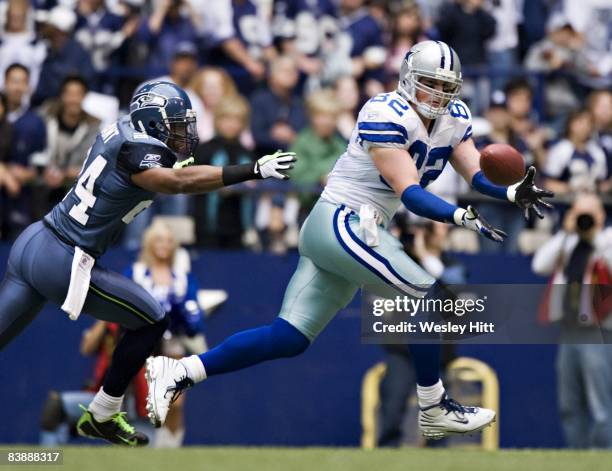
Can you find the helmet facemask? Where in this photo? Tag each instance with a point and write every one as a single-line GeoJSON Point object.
{"type": "Point", "coordinates": [180, 134]}
{"type": "Point", "coordinates": [439, 101]}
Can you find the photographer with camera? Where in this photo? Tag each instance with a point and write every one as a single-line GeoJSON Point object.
{"type": "Point", "coordinates": [579, 258]}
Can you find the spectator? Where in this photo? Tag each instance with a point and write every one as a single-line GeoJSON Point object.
{"type": "Point", "coordinates": [406, 31]}
{"type": "Point", "coordinates": [183, 69]}
{"type": "Point", "coordinates": [70, 133]}
{"type": "Point", "coordinates": [280, 114]}
{"type": "Point", "coordinates": [305, 30]}
{"type": "Point", "coordinates": [591, 18]}
{"type": "Point", "coordinates": [172, 22]}
{"type": "Point", "coordinates": [502, 48]}
{"type": "Point", "coordinates": [62, 409]}
{"type": "Point", "coordinates": [26, 151]}
{"type": "Point", "coordinates": [6, 132]}
{"type": "Point", "coordinates": [18, 41]}
{"type": "Point", "coordinates": [6, 135]}
{"type": "Point", "coordinates": [65, 56]}
{"type": "Point", "coordinates": [466, 26]}
{"type": "Point", "coordinates": [211, 85]}
{"type": "Point", "coordinates": [519, 101]}
{"type": "Point", "coordinates": [600, 105]}
{"type": "Point", "coordinates": [101, 33]}
{"type": "Point", "coordinates": [133, 52]}
{"type": "Point", "coordinates": [556, 56]}
{"type": "Point", "coordinates": [359, 48]}
{"type": "Point", "coordinates": [318, 145]}
{"type": "Point", "coordinates": [576, 257]}
{"type": "Point", "coordinates": [502, 214]}
{"type": "Point", "coordinates": [225, 218]}
{"type": "Point", "coordinates": [576, 163]}
{"type": "Point", "coordinates": [176, 290]}
{"type": "Point", "coordinates": [250, 47]}
{"type": "Point", "coordinates": [347, 95]}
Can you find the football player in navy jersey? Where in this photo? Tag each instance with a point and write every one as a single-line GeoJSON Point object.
{"type": "Point", "coordinates": [55, 259]}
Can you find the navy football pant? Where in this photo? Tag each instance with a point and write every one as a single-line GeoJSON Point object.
{"type": "Point", "coordinates": [39, 270]}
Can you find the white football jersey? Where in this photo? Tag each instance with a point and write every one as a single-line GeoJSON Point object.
{"type": "Point", "coordinates": [388, 120]}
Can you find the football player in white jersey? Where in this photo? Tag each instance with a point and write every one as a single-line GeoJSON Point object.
{"type": "Point", "coordinates": [401, 142]}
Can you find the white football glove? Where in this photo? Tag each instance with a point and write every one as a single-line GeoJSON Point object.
{"type": "Point", "coordinates": [470, 219]}
{"type": "Point", "coordinates": [275, 165]}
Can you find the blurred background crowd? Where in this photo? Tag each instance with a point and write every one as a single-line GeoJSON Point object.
{"type": "Point", "coordinates": [292, 74]}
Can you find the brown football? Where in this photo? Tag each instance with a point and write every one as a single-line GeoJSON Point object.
{"type": "Point", "coordinates": [502, 164]}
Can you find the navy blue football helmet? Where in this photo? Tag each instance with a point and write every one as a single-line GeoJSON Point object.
{"type": "Point", "coordinates": [163, 111]}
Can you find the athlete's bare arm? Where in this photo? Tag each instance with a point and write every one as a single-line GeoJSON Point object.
{"type": "Point", "coordinates": [194, 179]}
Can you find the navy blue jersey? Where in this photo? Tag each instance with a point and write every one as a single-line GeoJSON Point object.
{"type": "Point", "coordinates": [308, 22]}
{"type": "Point", "coordinates": [250, 27]}
{"type": "Point", "coordinates": [104, 198]}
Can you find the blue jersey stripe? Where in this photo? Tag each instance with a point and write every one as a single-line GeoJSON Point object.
{"type": "Point", "coordinates": [391, 138]}
{"type": "Point", "coordinates": [382, 126]}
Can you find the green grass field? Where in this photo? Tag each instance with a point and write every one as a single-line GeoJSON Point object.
{"type": "Point", "coordinates": [323, 459]}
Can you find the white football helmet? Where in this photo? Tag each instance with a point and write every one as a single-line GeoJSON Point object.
{"type": "Point", "coordinates": [433, 60]}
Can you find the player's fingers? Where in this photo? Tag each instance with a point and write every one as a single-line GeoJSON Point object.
{"type": "Point", "coordinates": [537, 211]}
{"type": "Point", "coordinates": [286, 158]}
{"type": "Point", "coordinates": [544, 193]}
{"type": "Point", "coordinates": [530, 175]}
{"type": "Point", "coordinates": [546, 204]}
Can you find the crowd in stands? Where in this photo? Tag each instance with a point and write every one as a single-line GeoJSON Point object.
{"type": "Point", "coordinates": [264, 75]}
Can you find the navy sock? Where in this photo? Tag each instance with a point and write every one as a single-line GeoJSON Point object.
{"type": "Point", "coordinates": [130, 354]}
{"type": "Point", "coordinates": [250, 347]}
{"type": "Point", "coordinates": [426, 359]}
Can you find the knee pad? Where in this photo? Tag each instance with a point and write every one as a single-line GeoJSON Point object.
{"type": "Point", "coordinates": [290, 340]}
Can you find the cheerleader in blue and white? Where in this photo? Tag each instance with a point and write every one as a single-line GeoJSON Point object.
{"type": "Point", "coordinates": [163, 269]}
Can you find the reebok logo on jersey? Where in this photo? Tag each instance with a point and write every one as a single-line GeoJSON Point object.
{"type": "Point", "coordinates": [152, 158]}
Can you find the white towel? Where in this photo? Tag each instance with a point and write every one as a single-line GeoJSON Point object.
{"type": "Point", "coordinates": [368, 223]}
{"type": "Point", "coordinates": [80, 275]}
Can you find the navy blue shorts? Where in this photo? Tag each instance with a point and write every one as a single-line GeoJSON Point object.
{"type": "Point", "coordinates": [39, 271]}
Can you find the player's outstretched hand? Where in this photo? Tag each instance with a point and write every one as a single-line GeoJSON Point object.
{"type": "Point", "coordinates": [276, 165]}
{"type": "Point", "coordinates": [528, 197]}
{"type": "Point", "coordinates": [475, 222]}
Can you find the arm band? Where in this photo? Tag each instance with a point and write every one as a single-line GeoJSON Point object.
{"type": "Point", "coordinates": [232, 174]}
{"type": "Point", "coordinates": [428, 205]}
{"type": "Point", "coordinates": [483, 185]}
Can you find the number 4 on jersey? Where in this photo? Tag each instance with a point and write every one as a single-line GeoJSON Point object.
{"type": "Point", "coordinates": [84, 190]}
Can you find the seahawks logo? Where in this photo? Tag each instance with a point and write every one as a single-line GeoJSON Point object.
{"type": "Point", "coordinates": [148, 100]}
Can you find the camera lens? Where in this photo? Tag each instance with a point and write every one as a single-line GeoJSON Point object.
{"type": "Point", "coordinates": [585, 222]}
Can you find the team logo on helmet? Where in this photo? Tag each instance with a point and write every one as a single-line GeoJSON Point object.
{"type": "Point", "coordinates": [148, 100]}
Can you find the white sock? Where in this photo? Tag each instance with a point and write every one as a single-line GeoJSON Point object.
{"type": "Point", "coordinates": [195, 368]}
{"type": "Point", "coordinates": [430, 395]}
{"type": "Point", "coordinates": [165, 438]}
{"type": "Point", "coordinates": [104, 406]}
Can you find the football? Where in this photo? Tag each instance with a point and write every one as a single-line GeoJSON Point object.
{"type": "Point", "coordinates": [502, 164]}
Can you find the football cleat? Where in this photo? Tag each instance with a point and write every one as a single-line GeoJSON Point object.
{"type": "Point", "coordinates": [448, 417]}
{"type": "Point", "coordinates": [114, 430]}
{"type": "Point", "coordinates": [167, 379]}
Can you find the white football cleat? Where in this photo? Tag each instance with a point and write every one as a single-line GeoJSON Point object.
{"type": "Point", "coordinates": [448, 417]}
{"type": "Point", "coordinates": [167, 379]}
